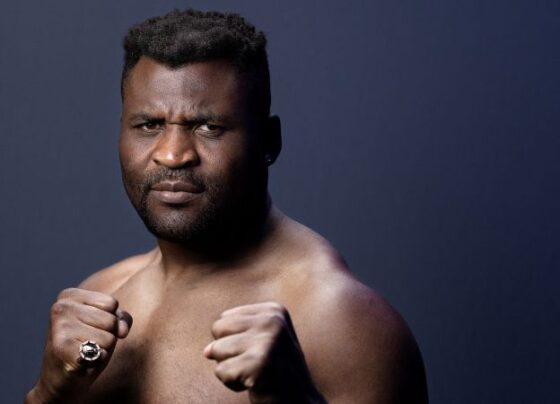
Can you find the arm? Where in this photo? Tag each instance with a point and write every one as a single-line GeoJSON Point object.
{"type": "Point", "coordinates": [363, 352]}
{"type": "Point", "coordinates": [89, 311]}
{"type": "Point", "coordinates": [78, 316]}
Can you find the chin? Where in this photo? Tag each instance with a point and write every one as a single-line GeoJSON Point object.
{"type": "Point", "coordinates": [182, 226]}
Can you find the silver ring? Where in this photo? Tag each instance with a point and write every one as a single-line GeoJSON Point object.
{"type": "Point", "coordinates": [90, 351]}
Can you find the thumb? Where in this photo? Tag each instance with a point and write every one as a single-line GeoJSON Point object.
{"type": "Point", "coordinates": [125, 322]}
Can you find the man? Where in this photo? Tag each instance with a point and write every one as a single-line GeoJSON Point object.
{"type": "Point", "coordinates": [237, 303]}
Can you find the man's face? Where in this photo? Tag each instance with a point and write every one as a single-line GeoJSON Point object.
{"type": "Point", "coordinates": [191, 161]}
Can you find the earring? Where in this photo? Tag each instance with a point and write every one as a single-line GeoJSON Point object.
{"type": "Point", "coordinates": [268, 159]}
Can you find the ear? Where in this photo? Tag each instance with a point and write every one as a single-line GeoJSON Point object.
{"type": "Point", "coordinates": [273, 140]}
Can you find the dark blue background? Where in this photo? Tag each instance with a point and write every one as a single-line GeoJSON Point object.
{"type": "Point", "coordinates": [420, 137]}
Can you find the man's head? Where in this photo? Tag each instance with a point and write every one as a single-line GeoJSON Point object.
{"type": "Point", "coordinates": [183, 37]}
{"type": "Point", "coordinates": [196, 135]}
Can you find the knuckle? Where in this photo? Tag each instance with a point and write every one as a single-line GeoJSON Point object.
{"type": "Point", "coordinates": [66, 293]}
{"type": "Point", "coordinates": [225, 373]}
{"type": "Point", "coordinates": [56, 309]}
{"type": "Point", "coordinates": [275, 306]}
{"type": "Point", "coordinates": [212, 349]}
{"type": "Point", "coordinates": [60, 307]}
{"type": "Point", "coordinates": [217, 329]}
{"type": "Point", "coordinates": [234, 377]}
{"type": "Point", "coordinates": [273, 321]}
{"type": "Point", "coordinates": [110, 303]}
{"type": "Point", "coordinates": [220, 371]}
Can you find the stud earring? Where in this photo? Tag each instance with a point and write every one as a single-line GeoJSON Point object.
{"type": "Point", "coordinates": [268, 159]}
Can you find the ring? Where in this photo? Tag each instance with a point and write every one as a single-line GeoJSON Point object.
{"type": "Point", "coordinates": [90, 351]}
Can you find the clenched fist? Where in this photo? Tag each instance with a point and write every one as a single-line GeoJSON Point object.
{"type": "Point", "coordinates": [256, 349]}
{"type": "Point", "coordinates": [78, 315]}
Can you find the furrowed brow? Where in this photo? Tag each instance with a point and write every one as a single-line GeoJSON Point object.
{"type": "Point", "coordinates": [194, 119]}
{"type": "Point", "coordinates": [143, 116]}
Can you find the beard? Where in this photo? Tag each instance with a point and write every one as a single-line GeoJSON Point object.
{"type": "Point", "coordinates": [178, 223]}
{"type": "Point", "coordinates": [220, 207]}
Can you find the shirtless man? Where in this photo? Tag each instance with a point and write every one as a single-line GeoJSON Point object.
{"type": "Point", "coordinates": [237, 303]}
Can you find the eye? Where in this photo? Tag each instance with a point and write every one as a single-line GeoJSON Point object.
{"type": "Point", "coordinates": [207, 129]}
{"type": "Point", "coordinates": [150, 126]}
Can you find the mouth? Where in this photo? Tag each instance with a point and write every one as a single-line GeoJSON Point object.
{"type": "Point", "coordinates": [175, 192]}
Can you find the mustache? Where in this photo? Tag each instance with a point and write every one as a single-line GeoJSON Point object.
{"type": "Point", "coordinates": [166, 174]}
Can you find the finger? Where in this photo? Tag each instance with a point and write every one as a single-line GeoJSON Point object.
{"type": "Point", "coordinates": [255, 308]}
{"type": "Point", "coordinates": [239, 372]}
{"type": "Point", "coordinates": [86, 366]}
{"type": "Point", "coordinates": [227, 347]}
{"type": "Point", "coordinates": [124, 323]}
{"type": "Point", "coordinates": [104, 339]}
{"type": "Point", "coordinates": [96, 299]}
{"type": "Point", "coordinates": [67, 343]}
{"type": "Point", "coordinates": [232, 324]}
{"type": "Point", "coordinates": [96, 317]}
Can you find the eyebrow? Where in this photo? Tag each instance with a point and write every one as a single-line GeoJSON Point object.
{"type": "Point", "coordinates": [198, 118]}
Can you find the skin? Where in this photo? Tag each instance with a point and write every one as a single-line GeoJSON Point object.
{"type": "Point", "coordinates": [261, 310]}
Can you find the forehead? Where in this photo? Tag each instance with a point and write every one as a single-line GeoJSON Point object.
{"type": "Point", "coordinates": [195, 86]}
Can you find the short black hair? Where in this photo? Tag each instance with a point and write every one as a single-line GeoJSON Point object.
{"type": "Point", "coordinates": [182, 37]}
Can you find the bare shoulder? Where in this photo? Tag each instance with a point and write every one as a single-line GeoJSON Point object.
{"type": "Point", "coordinates": [109, 279]}
{"type": "Point", "coordinates": [360, 338]}
{"type": "Point", "coordinates": [358, 347]}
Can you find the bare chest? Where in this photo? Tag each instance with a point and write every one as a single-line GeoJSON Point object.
{"type": "Point", "coordinates": [162, 358]}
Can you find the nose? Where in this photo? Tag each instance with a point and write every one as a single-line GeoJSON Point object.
{"type": "Point", "coordinates": [175, 148]}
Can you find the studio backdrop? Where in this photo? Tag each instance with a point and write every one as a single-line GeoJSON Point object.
{"type": "Point", "coordinates": [420, 137]}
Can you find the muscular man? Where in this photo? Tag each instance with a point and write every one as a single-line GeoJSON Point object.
{"type": "Point", "coordinates": [237, 303]}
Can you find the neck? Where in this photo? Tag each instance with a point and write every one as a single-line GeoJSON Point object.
{"type": "Point", "coordinates": [241, 238]}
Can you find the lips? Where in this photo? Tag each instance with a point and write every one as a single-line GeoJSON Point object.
{"type": "Point", "coordinates": [176, 186]}
{"type": "Point", "coordinates": [175, 192]}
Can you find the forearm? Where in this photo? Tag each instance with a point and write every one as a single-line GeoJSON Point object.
{"type": "Point", "coordinates": [37, 396]}
{"type": "Point", "coordinates": [41, 394]}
